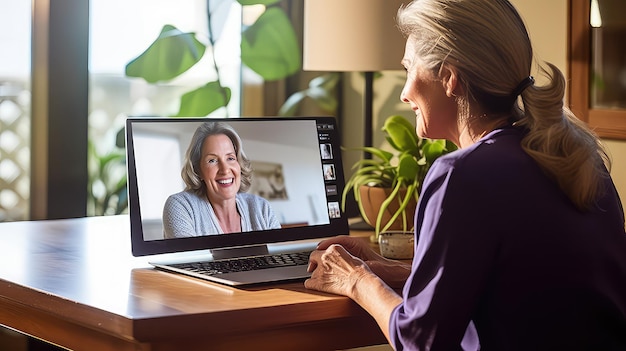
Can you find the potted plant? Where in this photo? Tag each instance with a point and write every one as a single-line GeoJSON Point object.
{"type": "Point", "coordinates": [395, 177]}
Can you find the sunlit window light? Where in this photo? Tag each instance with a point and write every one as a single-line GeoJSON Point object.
{"type": "Point", "coordinates": [594, 16]}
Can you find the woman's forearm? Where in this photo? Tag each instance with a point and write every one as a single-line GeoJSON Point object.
{"type": "Point", "coordinates": [377, 298]}
{"type": "Point", "coordinates": [393, 273]}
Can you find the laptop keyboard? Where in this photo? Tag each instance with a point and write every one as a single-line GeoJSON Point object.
{"type": "Point", "coordinates": [246, 263]}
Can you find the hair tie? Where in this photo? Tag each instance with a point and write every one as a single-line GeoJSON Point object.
{"type": "Point", "coordinates": [525, 83]}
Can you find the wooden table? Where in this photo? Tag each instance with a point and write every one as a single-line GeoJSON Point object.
{"type": "Point", "coordinates": [74, 283]}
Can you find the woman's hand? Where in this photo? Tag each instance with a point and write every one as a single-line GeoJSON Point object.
{"type": "Point", "coordinates": [335, 270]}
{"type": "Point", "coordinates": [392, 272]}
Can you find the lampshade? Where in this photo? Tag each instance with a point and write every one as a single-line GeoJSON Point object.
{"type": "Point", "coordinates": [352, 35]}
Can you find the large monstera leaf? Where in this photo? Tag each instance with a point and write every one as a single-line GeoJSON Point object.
{"type": "Point", "coordinates": [204, 100]}
{"type": "Point", "coordinates": [270, 46]}
{"type": "Point", "coordinates": [170, 55]}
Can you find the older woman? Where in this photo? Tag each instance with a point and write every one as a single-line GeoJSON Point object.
{"type": "Point", "coordinates": [216, 173]}
{"type": "Point", "coordinates": [520, 241]}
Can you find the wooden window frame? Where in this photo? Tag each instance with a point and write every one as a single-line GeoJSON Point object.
{"type": "Point", "coordinates": [59, 109]}
{"type": "Point", "coordinates": [607, 123]}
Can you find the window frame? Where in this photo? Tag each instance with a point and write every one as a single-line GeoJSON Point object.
{"type": "Point", "coordinates": [607, 123]}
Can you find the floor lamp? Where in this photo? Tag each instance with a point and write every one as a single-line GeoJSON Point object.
{"type": "Point", "coordinates": [353, 36]}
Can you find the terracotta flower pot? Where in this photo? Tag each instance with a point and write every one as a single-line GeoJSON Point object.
{"type": "Point", "coordinates": [373, 197]}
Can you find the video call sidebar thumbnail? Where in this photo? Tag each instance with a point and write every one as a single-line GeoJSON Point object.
{"type": "Point", "coordinates": [325, 135]}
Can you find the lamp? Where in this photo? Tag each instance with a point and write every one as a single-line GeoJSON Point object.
{"type": "Point", "coordinates": [353, 36]}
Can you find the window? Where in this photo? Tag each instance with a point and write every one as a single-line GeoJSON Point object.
{"type": "Point", "coordinates": [120, 30]}
{"type": "Point", "coordinates": [15, 19]}
{"type": "Point", "coordinates": [597, 89]}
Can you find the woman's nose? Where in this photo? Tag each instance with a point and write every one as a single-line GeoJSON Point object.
{"type": "Point", "coordinates": [403, 98]}
{"type": "Point", "coordinates": [221, 166]}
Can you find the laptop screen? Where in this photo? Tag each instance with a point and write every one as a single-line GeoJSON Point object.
{"type": "Point", "coordinates": [290, 188]}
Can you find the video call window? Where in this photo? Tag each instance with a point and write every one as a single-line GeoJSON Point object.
{"type": "Point", "coordinates": [291, 148]}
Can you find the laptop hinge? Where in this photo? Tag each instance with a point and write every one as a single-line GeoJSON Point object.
{"type": "Point", "coordinates": [244, 251]}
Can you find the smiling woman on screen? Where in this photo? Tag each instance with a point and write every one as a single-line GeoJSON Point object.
{"type": "Point", "coordinates": [216, 173]}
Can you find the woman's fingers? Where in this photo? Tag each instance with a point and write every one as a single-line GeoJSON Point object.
{"type": "Point", "coordinates": [332, 270]}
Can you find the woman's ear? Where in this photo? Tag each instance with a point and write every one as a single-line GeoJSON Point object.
{"type": "Point", "coordinates": [450, 81]}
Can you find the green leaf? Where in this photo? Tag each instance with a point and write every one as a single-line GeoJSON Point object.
{"type": "Point", "coordinates": [322, 90]}
{"type": "Point", "coordinates": [407, 168]}
{"type": "Point", "coordinates": [292, 104]}
{"type": "Point", "coordinates": [204, 100]}
{"type": "Point", "coordinates": [434, 149]}
{"type": "Point", "coordinates": [269, 47]}
{"type": "Point", "coordinates": [450, 146]}
{"type": "Point", "coordinates": [380, 153]}
{"type": "Point", "coordinates": [170, 55]}
{"type": "Point", "coordinates": [401, 133]}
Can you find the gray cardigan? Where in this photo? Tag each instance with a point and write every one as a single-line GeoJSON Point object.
{"type": "Point", "coordinates": [186, 214]}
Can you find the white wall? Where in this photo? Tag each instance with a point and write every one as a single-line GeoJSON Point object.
{"type": "Point", "coordinates": [303, 182]}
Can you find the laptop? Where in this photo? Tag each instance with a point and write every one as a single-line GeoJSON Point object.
{"type": "Point", "coordinates": [296, 168]}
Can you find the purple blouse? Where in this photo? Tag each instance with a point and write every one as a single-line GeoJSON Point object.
{"type": "Point", "coordinates": [504, 261]}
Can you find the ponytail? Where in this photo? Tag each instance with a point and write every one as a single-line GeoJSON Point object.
{"type": "Point", "coordinates": [563, 146]}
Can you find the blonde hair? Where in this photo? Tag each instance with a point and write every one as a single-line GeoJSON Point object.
{"type": "Point", "coordinates": [193, 155]}
{"type": "Point", "coordinates": [487, 43]}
